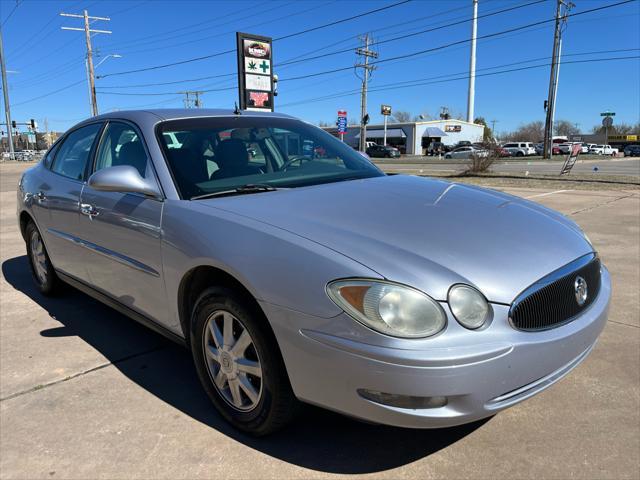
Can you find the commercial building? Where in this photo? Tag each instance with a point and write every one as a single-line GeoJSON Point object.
{"type": "Point", "coordinates": [413, 138]}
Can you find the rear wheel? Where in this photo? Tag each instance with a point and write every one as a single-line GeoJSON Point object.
{"type": "Point", "coordinates": [42, 270]}
{"type": "Point", "coordinates": [239, 363]}
{"type": "Point", "coordinates": [519, 154]}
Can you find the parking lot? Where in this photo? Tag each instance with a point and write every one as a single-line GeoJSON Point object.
{"type": "Point", "coordinates": [88, 393]}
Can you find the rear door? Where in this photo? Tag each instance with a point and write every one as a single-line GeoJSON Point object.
{"type": "Point", "coordinates": [59, 194]}
{"type": "Point", "coordinates": [123, 229]}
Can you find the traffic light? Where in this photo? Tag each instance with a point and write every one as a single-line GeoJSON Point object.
{"type": "Point", "coordinates": [33, 124]}
{"type": "Point", "coordinates": [14, 125]}
{"type": "Point", "coordinates": [365, 119]}
{"type": "Point", "coordinates": [546, 105]}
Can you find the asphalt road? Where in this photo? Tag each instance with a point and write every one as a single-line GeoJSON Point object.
{"type": "Point", "coordinates": [88, 393]}
{"type": "Point", "coordinates": [605, 166]}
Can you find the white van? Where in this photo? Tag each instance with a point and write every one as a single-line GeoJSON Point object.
{"type": "Point", "coordinates": [520, 149]}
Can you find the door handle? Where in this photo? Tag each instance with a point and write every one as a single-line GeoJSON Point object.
{"type": "Point", "coordinates": [88, 210]}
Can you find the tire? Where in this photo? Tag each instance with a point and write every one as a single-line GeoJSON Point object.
{"type": "Point", "coordinates": [42, 271]}
{"type": "Point", "coordinates": [447, 156]}
{"type": "Point", "coordinates": [519, 154]}
{"type": "Point", "coordinates": [258, 404]}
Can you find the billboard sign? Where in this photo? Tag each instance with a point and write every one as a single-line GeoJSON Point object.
{"type": "Point", "coordinates": [571, 158]}
{"type": "Point", "coordinates": [255, 74]}
{"type": "Point", "coordinates": [342, 122]}
{"type": "Point", "coordinates": [385, 110]}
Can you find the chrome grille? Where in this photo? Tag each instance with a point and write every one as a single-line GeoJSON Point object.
{"type": "Point", "coordinates": [552, 301]}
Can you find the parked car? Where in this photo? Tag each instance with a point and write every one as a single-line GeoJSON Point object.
{"type": "Point", "coordinates": [520, 149]}
{"type": "Point", "coordinates": [463, 153]}
{"type": "Point", "coordinates": [394, 299]}
{"type": "Point", "coordinates": [461, 143]}
{"type": "Point", "coordinates": [632, 151]}
{"type": "Point", "coordinates": [604, 150]}
{"type": "Point", "coordinates": [436, 148]}
{"type": "Point", "coordinates": [382, 151]}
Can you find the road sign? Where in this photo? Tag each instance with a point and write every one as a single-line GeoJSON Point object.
{"type": "Point", "coordinates": [342, 122]}
{"type": "Point", "coordinates": [571, 158]}
{"type": "Point", "coordinates": [607, 122]}
{"type": "Point", "coordinates": [255, 73]}
{"type": "Point", "coordinates": [385, 110]}
{"type": "Point", "coordinates": [608, 114]}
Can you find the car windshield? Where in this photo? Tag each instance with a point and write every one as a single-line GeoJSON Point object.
{"type": "Point", "coordinates": [218, 154]}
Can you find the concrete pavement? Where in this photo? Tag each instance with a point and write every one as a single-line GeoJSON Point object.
{"type": "Point", "coordinates": [426, 165]}
{"type": "Point", "coordinates": [87, 393]}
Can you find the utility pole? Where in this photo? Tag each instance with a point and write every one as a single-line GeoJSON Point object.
{"type": "Point", "coordinates": [493, 128]}
{"type": "Point", "coordinates": [366, 73]}
{"type": "Point", "coordinates": [192, 102]}
{"type": "Point", "coordinates": [554, 77]}
{"type": "Point", "coordinates": [5, 91]}
{"type": "Point", "coordinates": [87, 34]}
{"type": "Point", "coordinates": [472, 64]}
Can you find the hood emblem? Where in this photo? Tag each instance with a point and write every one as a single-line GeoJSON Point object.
{"type": "Point", "coordinates": [580, 287]}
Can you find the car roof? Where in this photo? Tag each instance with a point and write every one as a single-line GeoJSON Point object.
{"type": "Point", "coordinates": [154, 116]}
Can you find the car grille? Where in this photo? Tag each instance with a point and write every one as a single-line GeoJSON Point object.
{"type": "Point", "coordinates": [552, 301]}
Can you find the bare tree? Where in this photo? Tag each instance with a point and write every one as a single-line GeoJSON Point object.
{"type": "Point", "coordinates": [529, 132]}
{"type": "Point", "coordinates": [401, 116]}
{"type": "Point", "coordinates": [565, 128]}
{"type": "Point", "coordinates": [618, 129]}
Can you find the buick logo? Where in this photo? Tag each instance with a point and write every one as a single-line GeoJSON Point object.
{"type": "Point", "coordinates": [580, 287]}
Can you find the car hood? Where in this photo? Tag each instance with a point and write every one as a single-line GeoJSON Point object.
{"type": "Point", "coordinates": [423, 232]}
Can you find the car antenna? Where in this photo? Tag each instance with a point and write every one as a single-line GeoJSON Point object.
{"type": "Point", "coordinates": [236, 110]}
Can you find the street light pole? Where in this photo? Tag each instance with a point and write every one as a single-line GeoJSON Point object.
{"type": "Point", "coordinates": [5, 91]}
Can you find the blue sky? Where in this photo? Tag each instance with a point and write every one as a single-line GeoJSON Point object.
{"type": "Point", "coordinates": [42, 58]}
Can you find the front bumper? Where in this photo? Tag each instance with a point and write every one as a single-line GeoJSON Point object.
{"type": "Point", "coordinates": [480, 372]}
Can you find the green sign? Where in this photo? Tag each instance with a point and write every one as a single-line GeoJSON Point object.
{"type": "Point", "coordinates": [608, 114]}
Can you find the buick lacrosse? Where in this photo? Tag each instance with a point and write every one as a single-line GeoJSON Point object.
{"type": "Point", "coordinates": [295, 270]}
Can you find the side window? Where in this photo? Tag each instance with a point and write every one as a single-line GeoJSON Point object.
{"type": "Point", "coordinates": [121, 145]}
{"type": "Point", "coordinates": [48, 158]}
{"type": "Point", "coordinates": [74, 152]}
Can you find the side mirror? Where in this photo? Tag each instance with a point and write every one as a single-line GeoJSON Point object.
{"type": "Point", "coordinates": [123, 179]}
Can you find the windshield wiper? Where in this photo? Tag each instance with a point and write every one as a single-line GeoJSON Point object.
{"type": "Point", "coordinates": [241, 190]}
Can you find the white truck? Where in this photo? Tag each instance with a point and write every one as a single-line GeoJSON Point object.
{"type": "Point", "coordinates": [603, 150]}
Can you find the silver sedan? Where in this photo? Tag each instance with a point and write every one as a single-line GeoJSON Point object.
{"type": "Point", "coordinates": [296, 271]}
{"type": "Point", "coordinates": [465, 153]}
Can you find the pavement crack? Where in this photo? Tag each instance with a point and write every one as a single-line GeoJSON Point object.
{"type": "Point", "coordinates": [593, 207]}
{"type": "Point", "coordinates": [84, 372]}
{"type": "Point", "coordinates": [625, 324]}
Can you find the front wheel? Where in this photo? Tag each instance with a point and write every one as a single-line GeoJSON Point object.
{"type": "Point", "coordinates": [42, 270]}
{"type": "Point", "coordinates": [239, 363]}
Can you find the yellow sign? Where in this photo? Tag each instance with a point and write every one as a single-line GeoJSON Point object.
{"type": "Point", "coordinates": [628, 138]}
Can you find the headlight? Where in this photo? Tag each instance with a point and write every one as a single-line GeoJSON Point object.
{"type": "Point", "coordinates": [469, 306]}
{"type": "Point", "coordinates": [389, 308]}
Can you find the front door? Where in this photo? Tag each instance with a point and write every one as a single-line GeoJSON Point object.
{"type": "Point", "coordinates": [58, 199]}
{"type": "Point", "coordinates": [122, 230]}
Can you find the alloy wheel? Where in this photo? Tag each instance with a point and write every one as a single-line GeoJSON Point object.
{"type": "Point", "coordinates": [232, 361]}
{"type": "Point", "coordinates": [38, 258]}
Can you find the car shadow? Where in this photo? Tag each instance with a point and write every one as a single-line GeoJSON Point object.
{"type": "Point", "coordinates": [319, 440]}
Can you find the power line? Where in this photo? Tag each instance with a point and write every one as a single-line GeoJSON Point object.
{"type": "Point", "coordinates": [337, 22]}
{"type": "Point", "coordinates": [404, 36]}
{"type": "Point", "coordinates": [428, 80]}
{"type": "Point", "coordinates": [49, 93]}
{"type": "Point", "coordinates": [619, 50]}
{"type": "Point", "coordinates": [15, 7]}
{"type": "Point", "coordinates": [295, 61]}
{"type": "Point", "coordinates": [459, 42]}
{"type": "Point", "coordinates": [213, 55]}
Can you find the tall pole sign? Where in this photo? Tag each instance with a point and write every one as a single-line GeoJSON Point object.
{"type": "Point", "coordinates": [385, 110]}
{"type": "Point", "coordinates": [255, 72]}
{"type": "Point", "coordinates": [342, 123]}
